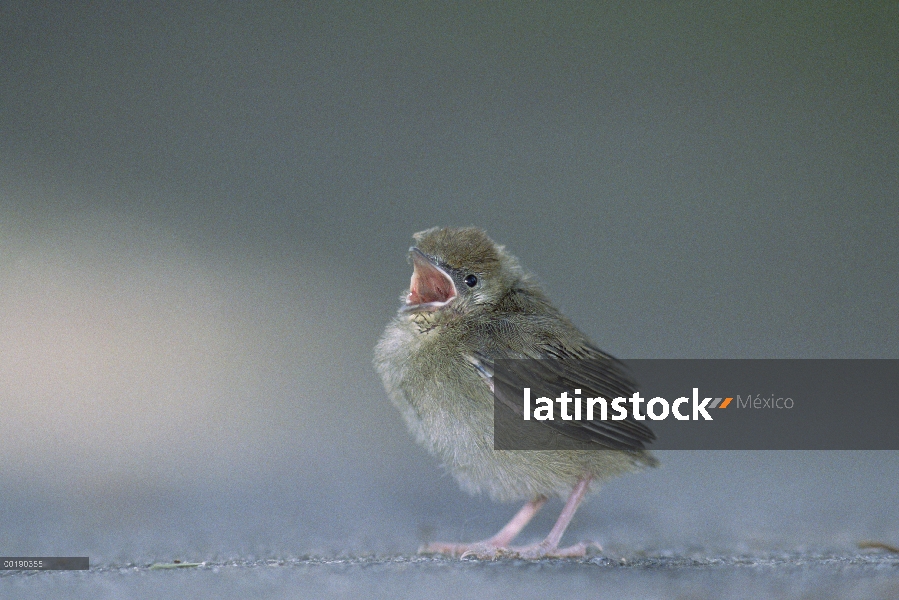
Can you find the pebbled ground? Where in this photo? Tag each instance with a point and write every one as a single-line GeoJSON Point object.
{"type": "Point", "coordinates": [665, 574]}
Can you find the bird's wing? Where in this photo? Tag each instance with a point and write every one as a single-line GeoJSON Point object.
{"type": "Point", "coordinates": [554, 369]}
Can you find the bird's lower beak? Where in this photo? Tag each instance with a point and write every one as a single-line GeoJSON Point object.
{"type": "Point", "coordinates": [431, 287]}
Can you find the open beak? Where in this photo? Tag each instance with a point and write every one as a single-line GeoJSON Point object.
{"type": "Point", "coordinates": [431, 287]}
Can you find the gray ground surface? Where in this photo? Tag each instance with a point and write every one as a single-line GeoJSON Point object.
{"type": "Point", "coordinates": [704, 525]}
{"type": "Point", "coordinates": [670, 575]}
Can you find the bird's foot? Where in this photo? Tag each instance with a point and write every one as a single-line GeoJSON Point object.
{"type": "Point", "coordinates": [489, 551]}
{"type": "Point", "coordinates": [542, 550]}
{"type": "Point", "coordinates": [484, 549]}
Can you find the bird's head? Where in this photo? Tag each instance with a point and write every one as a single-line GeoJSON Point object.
{"type": "Point", "coordinates": [458, 270]}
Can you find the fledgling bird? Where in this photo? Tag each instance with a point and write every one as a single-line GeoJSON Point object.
{"type": "Point", "coordinates": [469, 304]}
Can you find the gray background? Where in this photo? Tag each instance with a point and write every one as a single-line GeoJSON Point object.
{"type": "Point", "coordinates": [204, 213]}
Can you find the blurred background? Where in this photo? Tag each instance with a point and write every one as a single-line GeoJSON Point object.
{"type": "Point", "coordinates": [205, 210]}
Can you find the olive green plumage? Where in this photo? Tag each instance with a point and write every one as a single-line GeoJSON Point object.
{"type": "Point", "coordinates": [436, 359]}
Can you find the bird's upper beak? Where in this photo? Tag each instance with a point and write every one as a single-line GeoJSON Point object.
{"type": "Point", "coordinates": [431, 287]}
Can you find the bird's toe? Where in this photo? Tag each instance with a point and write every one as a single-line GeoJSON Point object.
{"type": "Point", "coordinates": [538, 551]}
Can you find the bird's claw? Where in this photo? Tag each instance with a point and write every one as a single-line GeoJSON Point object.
{"type": "Point", "coordinates": [480, 550]}
{"type": "Point", "coordinates": [483, 552]}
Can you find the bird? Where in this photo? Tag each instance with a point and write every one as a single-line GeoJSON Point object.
{"type": "Point", "coordinates": [470, 304]}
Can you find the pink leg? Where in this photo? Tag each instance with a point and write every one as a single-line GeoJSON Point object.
{"type": "Point", "coordinates": [495, 544]}
{"type": "Point", "coordinates": [508, 533]}
{"type": "Point", "coordinates": [550, 546]}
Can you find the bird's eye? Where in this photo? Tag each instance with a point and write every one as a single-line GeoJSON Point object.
{"type": "Point", "coordinates": [471, 280]}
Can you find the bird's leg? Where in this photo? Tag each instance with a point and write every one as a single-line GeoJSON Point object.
{"type": "Point", "coordinates": [511, 530]}
{"type": "Point", "coordinates": [493, 545]}
{"type": "Point", "coordinates": [550, 546]}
